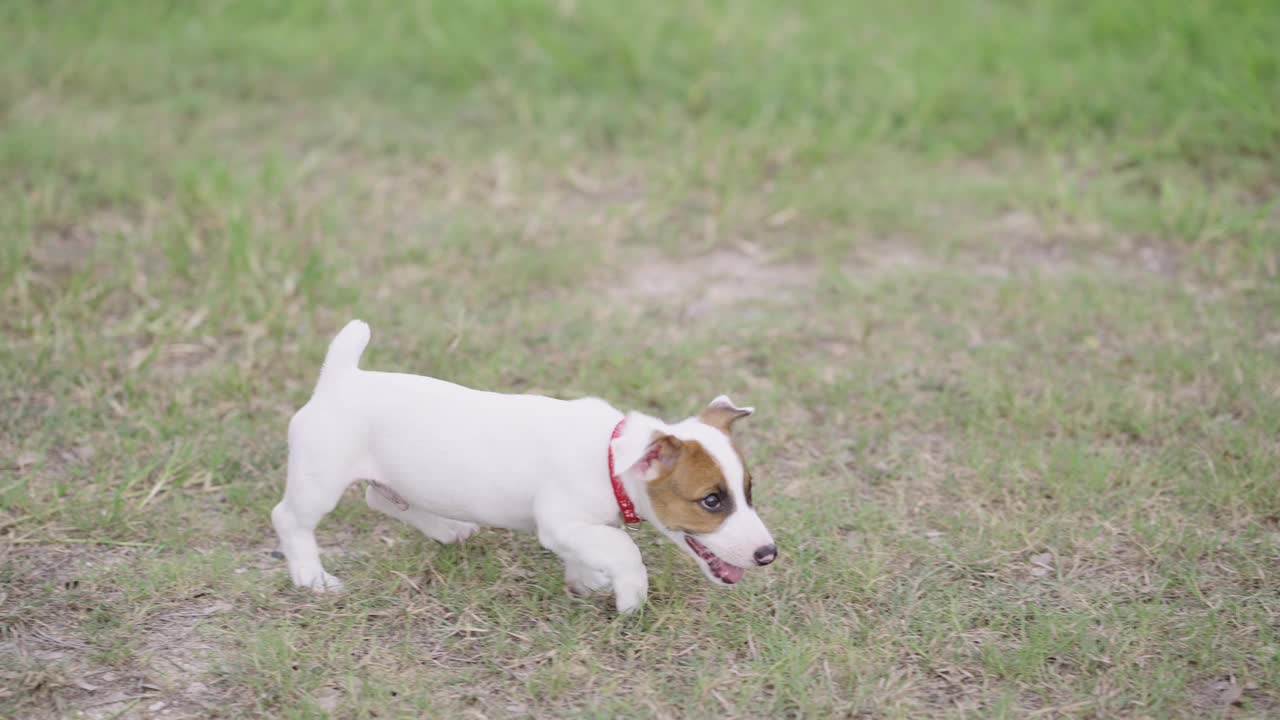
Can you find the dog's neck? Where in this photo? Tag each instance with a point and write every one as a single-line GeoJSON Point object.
{"type": "Point", "coordinates": [630, 440]}
{"type": "Point", "coordinates": [637, 491]}
{"type": "Point", "coordinates": [621, 493]}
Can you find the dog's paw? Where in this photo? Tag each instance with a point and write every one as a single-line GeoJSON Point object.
{"type": "Point", "coordinates": [449, 532]}
{"type": "Point", "coordinates": [319, 582]}
{"type": "Point", "coordinates": [630, 595]}
{"type": "Point", "coordinates": [583, 580]}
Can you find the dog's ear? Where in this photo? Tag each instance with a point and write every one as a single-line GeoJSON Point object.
{"type": "Point", "coordinates": [647, 447]}
{"type": "Point", "coordinates": [722, 413]}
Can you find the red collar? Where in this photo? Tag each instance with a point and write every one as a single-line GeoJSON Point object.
{"type": "Point", "coordinates": [624, 503]}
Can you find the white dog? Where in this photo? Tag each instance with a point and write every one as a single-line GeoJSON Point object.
{"type": "Point", "coordinates": [447, 460]}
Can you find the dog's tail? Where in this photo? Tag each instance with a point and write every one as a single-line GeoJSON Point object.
{"type": "Point", "coordinates": [344, 353]}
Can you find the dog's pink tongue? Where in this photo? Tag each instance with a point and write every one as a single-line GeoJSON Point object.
{"type": "Point", "coordinates": [732, 573]}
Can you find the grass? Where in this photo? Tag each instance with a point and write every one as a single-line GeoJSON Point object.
{"type": "Point", "coordinates": [1002, 280]}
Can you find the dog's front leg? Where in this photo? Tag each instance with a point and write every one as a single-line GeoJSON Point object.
{"type": "Point", "coordinates": [582, 580]}
{"type": "Point", "coordinates": [603, 550]}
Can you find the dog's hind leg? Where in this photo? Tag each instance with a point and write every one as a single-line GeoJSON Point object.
{"type": "Point", "coordinates": [314, 487]}
{"type": "Point", "coordinates": [442, 530]}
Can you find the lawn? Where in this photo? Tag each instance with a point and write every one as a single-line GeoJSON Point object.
{"type": "Point", "coordinates": [1002, 280]}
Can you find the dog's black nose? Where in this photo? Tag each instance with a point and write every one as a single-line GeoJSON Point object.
{"type": "Point", "coordinates": [766, 554]}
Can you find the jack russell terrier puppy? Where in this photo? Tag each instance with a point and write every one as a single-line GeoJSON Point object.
{"type": "Point", "coordinates": [447, 459]}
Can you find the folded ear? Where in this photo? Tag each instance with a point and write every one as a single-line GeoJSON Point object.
{"type": "Point", "coordinates": [647, 448]}
{"type": "Point", "coordinates": [722, 413]}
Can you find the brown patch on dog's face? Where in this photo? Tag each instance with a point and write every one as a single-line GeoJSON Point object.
{"type": "Point", "coordinates": [679, 495]}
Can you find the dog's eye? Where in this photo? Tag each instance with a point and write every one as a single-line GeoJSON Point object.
{"type": "Point", "coordinates": [711, 502]}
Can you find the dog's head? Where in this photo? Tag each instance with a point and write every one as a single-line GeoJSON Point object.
{"type": "Point", "coordinates": [697, 489]}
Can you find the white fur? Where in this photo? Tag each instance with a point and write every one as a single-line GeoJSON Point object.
{"type": "Point", "coordinates": [462, 458]}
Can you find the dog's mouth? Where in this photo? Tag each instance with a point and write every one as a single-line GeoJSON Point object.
{"type": "Point", "coordinates": [719, 569]}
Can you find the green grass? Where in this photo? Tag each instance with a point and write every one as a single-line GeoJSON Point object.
{"type": "Point", "coordinates": [1002, 279]}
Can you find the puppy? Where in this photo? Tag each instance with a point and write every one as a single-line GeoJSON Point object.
{"type": "Point", "coordinates": [447, 460]}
